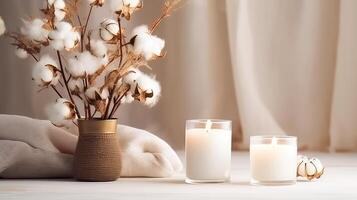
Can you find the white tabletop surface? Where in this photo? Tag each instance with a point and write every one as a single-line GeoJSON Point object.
{"type": "Point", "coordinates": [338, 182]}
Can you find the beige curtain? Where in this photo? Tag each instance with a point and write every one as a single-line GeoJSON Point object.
{"type": "Point", "coordinates": [294, 65]}
{"type": "Point", "coordinates": [272, 67]}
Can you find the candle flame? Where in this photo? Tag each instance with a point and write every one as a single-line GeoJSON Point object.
{"type": "Point", "coordinates": [274, 140]}
{"type": "Point", "coordinates": [208, 125]}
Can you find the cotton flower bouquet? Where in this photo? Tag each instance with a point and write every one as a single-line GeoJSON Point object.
{"type": "Point", "coordinates": [93, 70]}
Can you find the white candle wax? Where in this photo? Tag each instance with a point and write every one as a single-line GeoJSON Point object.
{"type": "Point", "coordinates": [208, 154]}
{"type": "Point", "coordinates": [273, 162]}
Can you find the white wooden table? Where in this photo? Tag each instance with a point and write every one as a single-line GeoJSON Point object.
{"type": "Point", "coordinates": [338, 182]}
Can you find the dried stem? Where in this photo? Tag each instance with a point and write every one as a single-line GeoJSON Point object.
{"type": "Point", "coordinates": [79, 21]}
{"type": "Point", "coordinates": [95, 111]}
{"type": "Point", "coordinates": [111, 94]}
{"type": "Point", "coordinates": [117, 103]}
{"type": "Point", "coordinates": [54, 88]}
{"type": "Point", "coordinates": [34, 57]}
{"type": "Point", "coordinates": [66, 84]}
{"type": "Point", "coordinates": [85, 27]}
{"type": "Point", "coordinates": [157, 22]}
{"type": "Point", "coordinates": [168, 8]}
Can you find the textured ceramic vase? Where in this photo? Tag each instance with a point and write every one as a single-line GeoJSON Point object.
{"type": "Point", "coordinates": [97, 156]}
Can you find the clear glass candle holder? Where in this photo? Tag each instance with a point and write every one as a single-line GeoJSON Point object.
{"type": "Point", "coordinates": [273, 160]}
{"type": "Point", "coordinates": [208, 150]}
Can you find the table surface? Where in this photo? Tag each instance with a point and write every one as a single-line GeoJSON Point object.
{"type": "Point", "coordinates": [338, 182]}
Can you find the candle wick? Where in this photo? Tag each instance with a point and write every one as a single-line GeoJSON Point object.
{"type": "Point", "coordinates": [208, 125]}
{"type": "Point", "coordinates": [274, 141]}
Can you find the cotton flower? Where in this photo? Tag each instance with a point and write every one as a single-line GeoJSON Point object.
{"type": "Point", "coordinates": [143, 88]}
{"type": "Point", "coordinates": [96, 2]}
{"type": "Point", "coordinates": [21, 53]}
{"type": "Point", "coordinates": [46, 72]}
{"type": "Point", "coordinates": [131, 77]}
{"type": "Point", "coordinates": [34, 30]}
{"type": "Point", "coordinates": [63, 36]}
{"type": "Point", "coordinates": [75, 85]}
{"type": "Point", "coordinates": [109, 28]}
{"type": "Point", "coordinates": [98, 48]}
{"type": "Point", "coordinates": [94, 93]}
{"type": "Point", "coordinates": [148, 88]}
{"type": "Point", "coordinates": [147, 45]}
{"type": "Point", "coordinates": [84, 64]}
{"type": "Point", "coordinates": [59, 9]}
{"type": "Point", "coordinates": [2, 26]}
{"type": "Point", "coordinates": [60, 14]}
{"type": "Point", "coordinates": [98, 98]}
{"type": "Point", "coordinates": [60, 112]}
{"type": "Point", "coordinates": [125, 7]}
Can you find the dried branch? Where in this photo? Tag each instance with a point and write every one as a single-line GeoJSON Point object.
{"type": "Point", "coordinates": [169, 7]}
{"type": "Point", "coordinates": [58, 93]}
{"type": "Point", "coordinates": [29, 46]}
{"type": "Point", "coordinates": [111, 92]}
{"type": "Point", "coordinates": [117, 103]}
{"type": "Point", "coordinates": [66, 84]}
{"type": "Point", "coordinates": [83, 32]}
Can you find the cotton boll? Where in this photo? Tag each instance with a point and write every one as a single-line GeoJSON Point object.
{"type": "Point", "coordinates": [42, 75]}
{"type": "Point", "coordinates": [50, 2]}
{"type": "Point", "coordinates": [76, 68]}
{"type": "Point", "coordinates": [2, 26]}
{"type": "Point", "coordinates": [111, 25]}
{"type": "Point", "coordinates": [85, 64]}
{"type": "Point", "coordinates": [124, 7]}
{"type": "Point", "coordinates": [93, 93]}
{"type": "Point", "coordinates": [60, 14]}
{"type": "Point", "coordinates": [46, 59]}
{"type": "Point", "coordinates": [146, 44]}
{"type": "Point", "coordinates": [75, 85]}
{"type": "Point", "coordinates": [59, 4]}
{"type": "Point", "coordinates": [59, 9]}
{"type": "Point", "coordinates": [98, 48]}
{"type": "Point", "coordinates": [302, 159]}
{"type": "Point", "coordinates": [60, 112]}
{"type": "Point", "coordinates": [108, 29]}
{"type": "Point", "coordinates": [71, 39]}
{"type": "Point", "coordinates": [64, 27]}
{"type": "Point", "coordinates": [131, 77]}
{"type": "Point", "coordinates": [45, 72]}
{"type": "Point", "coordinates": [69, 44]}
{"type": "Point", "coordinates": [57, 44]}
{"type": "Point", "coordinates": [96, 2]}
{"type": "Point", "coordinates": [21, 53]}
{"type": "Point", "coordinates": [309, 168]}
{"type": "Point", "coordinates": [317, 163]}
{"type": "Point", "coordinates": [34, 30]}
{"type": "Point", "coordinates": [63, 36]}
{"type": "Point", "coordinates": [105, 35]}
{"type": "Point", "coordinates": [140, 30]}
{"type": "Point", "coordinates": [91, 63]}
{"type": "Point", "coordinates": [149, 85]}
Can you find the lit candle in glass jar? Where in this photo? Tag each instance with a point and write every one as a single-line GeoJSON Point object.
{"type": "Point", "coordinates": [208, 150]}
{"type": "Point", "coordinates": [273, 160]}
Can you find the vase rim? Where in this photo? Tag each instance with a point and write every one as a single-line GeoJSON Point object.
{"type": "Point", "coordinates": [98, 119]}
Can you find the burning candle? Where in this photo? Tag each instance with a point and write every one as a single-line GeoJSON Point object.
{"type": "Point", "coordinates": [273, 160]}
{"type": "Point", "coordinates": [208, 150]}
